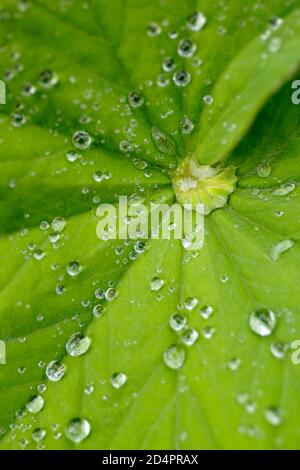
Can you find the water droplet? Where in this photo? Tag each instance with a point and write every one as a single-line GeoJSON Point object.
{"type": "Point", "coordinates": [189, 337]}
{"type": "Point", "coordinates": [77, 430]}
{"type": "Point", "coordinates": [55, 371]}
{"type": "Point", "coordinates": [168, 64]}
{"type": "Point", "coordinates": [208, 332]}
{"type": "Point", "coordinates": [275, 45]}
{"type": "Point", "coordinates": [28, 89]}
{"type": "Point", "coordinates": [153, 30]}
{"type": "Point", "coordinates": [280, 248]}
{"type": "Point", "coordinates": [135, 99]}
{"type": "Point", "coordinates": [163, 142]}
{"type": "Point", "coordinates": [186, 126]}
{"type": "Point", "coordinates": [276, 23]}
{"type": "Point", "coordinates": [38, 434]}
{"type": "Point", "coordinates": [174, 357]}
{"type": "Point", "coordinates": [35, 404]}
{"type": "Point", "coordinates": [273, 416]}
{"type": "Point", "coordinates": [111, 294]}
{"type": "Point", "coordinates": [78, 344]}
{"type": "Point", "coordinates": [191, 303]}
{"type": "Point", "coordinates": [177, 322]}
{"type": "Point", "coordinates": [48, 79]}
{"type": "Point", "coordinates": [278, 350]}
{"type": "Point", "coordinates": [182, 78]}
{"type": "Point", "coordinates": [208, 99]}
{"type": "Point", "coordinates": [196, 21]}
{"type": "Point", "coordinates": [98, 310]}
{"type": "Point", "coordinates": [81, 140]}
{"type": "Point", "coordinates": [73, 268]}
{"type": "Point", "coordinates": [72, 156]}
{"type": "Point", "coordinates": [18, 120]}
{"type": "Point", "coordinates": [234, 364]}
{"type": "Point", "coordinates": [58, 224]}
{"type": "Point", "coordinates": [262, 322]}
{"type": "Point", "coordinates": [118, 379]}
{"type": "Point", "coordinates": [186, 48]}
{"type": "Point", "coordinates": [156, 284]}
{"type": "Point", "coordinates": [206, 311]}
{"type": "Point", "coordinates": [264, 170]}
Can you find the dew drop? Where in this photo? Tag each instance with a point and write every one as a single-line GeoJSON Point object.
{"type": "Point", "coordinates": [111, 294]}
{"type": "Point", "coordinates": [18, 120]}
{"type": "Point", "coordinates": [156, 284]}
{"type": "Point", "coordinates": [48, 79]}
{"type": "Point", "coordinates": [284, 189]}
{"type": "Point", "coordinates": [98, 310]}
{"type": "Point", "coordinates": [73, 268]}
{"type": "Point", "coordinates": [186, 48]}
{"type": "Point", "coordinates": [280, 248]}
{"type": "Point", "coordinates": [58, 224]}
{"type": "Point", "coordinates": [174, 357]}
{"type": "Point", "coordinates": [262, 322]}
{"type": "Point", "coordinates": [77, 430]}
{"type": "Point", "coordinates": [196, 21]}
{"type": "Point", "coordinates": [234, 364]}
{"type": "Point", "coordinates": [38, 434]}
{"type": "Point", "coordinates": [273, 416]}
{"type": "Point", "coordinates": [81, 140]}
{"type": "Point", "coordinates": [135, 99]}
{"type": "Point", "coordinates": [168, 64]}
{"type": "Point", "coordinates": [206, 311]}
{"type": "Point", "coordinates": [177, 322]}
{"type": "Point", "coordinates": [182, 78]}
{"type": "Point", "coordinates": [162, 141]}
{"type": "Point", "coordinates": [186, 126]}
{"type": "Point", "coordinates": [78, 344]}
{"type": "Point", "coordinates": [118, 379]}
{"type": "Point", "coordinates": [191, 303]}
{"type": "Point", "coordinates": [55, 371]}
{"type": "Point", "coordinates": [189, 337]}
{"type": "Point", "coordinates": [208, 99]}
{"type": "Point", "coordinates": [35, 404]}
{"type": "Point", "coordinates": [278, 350]}
{"type": "Point", "coordinates": [153, 29]}
{"type": "Point", "coordinates": [264, 170]}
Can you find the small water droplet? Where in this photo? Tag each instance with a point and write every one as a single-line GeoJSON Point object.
{"type": "Point", "coordinates": [278, 350]}
{"type": "Point", "coordinates": [206, 311]}
{"type": "Point", "coordinates": [264, 170]}
{"type": "Point", "coordinates": [182, 78]}
{"type": "Point", "coordinates": [191, 303]}
{"type": "Point", "coordinates": [273, 416]}
{"type": "Point", "coordinates": [196, 21]}
{"type": "Point", "coordinates": [81, 140]}
{"type": "Point", "coordinates": [48, 79]}
{"type": "Point", "coordinates": [153, 29]}
{"type": "Point", "coordinates": [189, 337]}
{"type": "Point", "coordinates": [177, 322]}
{"type": "Point", "coordinates": [118, 379]}
{"type": "Point", "coordinates": [274, 45]}
{"type": "Point", "coordinates": [135, 99]}
{"type": "Point", "coordinates": [168, 64]}
{"type": "Point", "coordinates": [156, 284]}
{"type": "Point", "coordinates": [208, 99]}
{"type": "Point", "coordinates": [163, 142]}
{"type": "Point", "coordinates": [186, 126]}
{"type": "Point", "coordinates": [73, 268]}
{"type": "Point", "coordinates": [186, 48]}
{"type": "Point", "coordinates": [38, 434]}
{"type": "Point", "coordinates": [234, 364]}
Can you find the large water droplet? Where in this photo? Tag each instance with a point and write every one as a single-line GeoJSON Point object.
{"type": "Point", "coordinates": [174, 357]}
{"type": "Point", "coordinates": [35, 404]}
{"type": "Point", "coordinates": [262, 322]}
{"type": "Point", "coordinates": [77, 430]}
{"type": "Point", "coordinates": [280, 248]}
{"type": "Point", "coordinates": [55, 371]}
{"type": "Point", "coordinates": [78, 344]}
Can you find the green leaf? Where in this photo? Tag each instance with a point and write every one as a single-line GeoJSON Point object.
{"type": "Point", "coordinates": [84, 62]}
